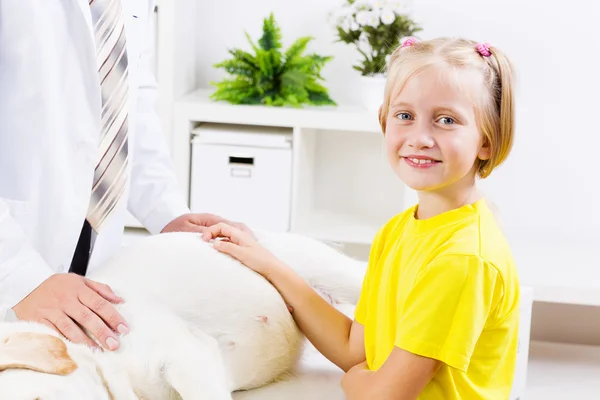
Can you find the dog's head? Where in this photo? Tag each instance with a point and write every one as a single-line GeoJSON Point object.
{"type": "Point", "coordinates": [35, 363]}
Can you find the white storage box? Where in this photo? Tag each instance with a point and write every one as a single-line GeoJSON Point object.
{"type": "Point", "coordinates": [243, 173]}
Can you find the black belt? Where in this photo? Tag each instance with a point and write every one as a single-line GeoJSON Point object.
{"type": "Point", "coordinates": [81, 257]}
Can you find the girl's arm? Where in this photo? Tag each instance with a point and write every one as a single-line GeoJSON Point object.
{"type": "Point", "coordinates": [403, 376]}
{"type": "Point", "coordinates": [333, 334]}
{"type": "Point", "coordinates": [336, 336]}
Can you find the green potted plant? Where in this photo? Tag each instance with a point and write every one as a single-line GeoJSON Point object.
{"type": "Point", "coordinates": [271, 77]}
{"type": "Point", "coordinates": [375, 28]}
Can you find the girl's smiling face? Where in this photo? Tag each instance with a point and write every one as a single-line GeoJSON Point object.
{"type": "Point", "coordinates": [432, 139]}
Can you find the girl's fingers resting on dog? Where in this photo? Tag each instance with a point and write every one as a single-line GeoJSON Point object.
{"type": "Point", "coordinates": [222, 230]}
{"type": "Point", "coordinates": [227, 247]}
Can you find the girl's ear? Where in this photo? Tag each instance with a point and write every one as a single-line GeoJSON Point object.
{"type": "Point", "coordinates": [485, 152]}
{"type": "Point", "coordinates": [381, 119]}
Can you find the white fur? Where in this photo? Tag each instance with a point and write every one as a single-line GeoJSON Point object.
{"type": "Point", "coordinates": [202, 324]}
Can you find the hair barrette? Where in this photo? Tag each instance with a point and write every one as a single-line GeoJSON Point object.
{"type": "Point", "coordinates": [483, 49]}
{"type": "Point", "coordinates": [409, 41]}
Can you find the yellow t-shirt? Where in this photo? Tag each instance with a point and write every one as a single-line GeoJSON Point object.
{"type": "Point", "coordinates": [446, 288]}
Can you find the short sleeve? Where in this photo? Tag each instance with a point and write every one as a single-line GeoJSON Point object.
{"type": "Point", "coordinates": [447, 309]}
{"type": "Point", "coordinates": [360, 313]}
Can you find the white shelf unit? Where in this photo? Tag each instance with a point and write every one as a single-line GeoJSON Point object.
{"type": "Point", "coordinates": [343, 189]}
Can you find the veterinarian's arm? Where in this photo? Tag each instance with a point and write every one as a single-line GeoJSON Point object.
{"type": "Point", "coordinates": [402, 377]}
{"type": "Point", "coordinates": [333, 334]}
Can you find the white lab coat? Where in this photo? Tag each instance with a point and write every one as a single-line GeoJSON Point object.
{"type": "Point", "coordinates": [49, 133]}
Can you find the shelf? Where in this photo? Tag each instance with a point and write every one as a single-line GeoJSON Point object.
{"type": "Point", "coordinates": [198, 106]}
{"type": "Point", "coordinates": [331, 226]}
{"type": "Point", "coordinates": [562, 371]}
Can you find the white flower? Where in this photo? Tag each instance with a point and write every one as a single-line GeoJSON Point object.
{"type": "Point", "coordinates": [360, 5]}
{"type": "Point", "coordinates": [362, 17]}
{"type": "Point", "coordinates": [377, 4]}
{"type": "Point", "coordinates": [373, 19]}
{"type": "Point", "coordinates": [387, 16]}
{"type": "Point", "coordinates": [354, 26]}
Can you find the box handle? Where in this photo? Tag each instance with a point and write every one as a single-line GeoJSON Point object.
{"type": "Point", "coordinates": [241, 160]}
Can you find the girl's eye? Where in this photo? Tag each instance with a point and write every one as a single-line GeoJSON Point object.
{"type": "Point", "coordinates": [447, 120]}
{"type": "Point", "coordinates": [404, 116]}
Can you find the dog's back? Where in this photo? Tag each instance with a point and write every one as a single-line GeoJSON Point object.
{"type": "Point", "coordinates": [219, 296]}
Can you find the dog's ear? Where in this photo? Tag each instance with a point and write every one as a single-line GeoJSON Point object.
{"type": "Point", "coordinates": [37, 352]}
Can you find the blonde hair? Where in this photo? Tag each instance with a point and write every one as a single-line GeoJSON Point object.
{"type": "Point", "coordinates": [494, 111]}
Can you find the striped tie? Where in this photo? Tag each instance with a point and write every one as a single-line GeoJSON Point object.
{"type": "Point", "coordinates": [110, 176]}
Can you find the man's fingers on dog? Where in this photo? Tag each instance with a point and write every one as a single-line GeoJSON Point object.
{"type": "Point", "coordinates": [50, 325]}
{"type": "Point", "coordinates": [105, 311]}
{"type": "Point", "coordinates": [103, 290]}
{"type": "Point", "coordinates": [82, 313]}
{"type": "Point", "coordinates": [70, 330]}
{"type": "Point", "coordinates": [242, 227]}
{"type": "Point", "coordinates": [192, 227]}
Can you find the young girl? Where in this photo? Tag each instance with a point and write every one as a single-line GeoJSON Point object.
{"type": "Point", "coordinates": [439, 310]}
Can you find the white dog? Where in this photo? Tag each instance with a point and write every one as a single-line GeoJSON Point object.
{"type": "Point", "coordinates": [202, 325]}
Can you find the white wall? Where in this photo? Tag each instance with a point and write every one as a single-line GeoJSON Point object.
{"type": "Point", "coordinates": [549, 190]}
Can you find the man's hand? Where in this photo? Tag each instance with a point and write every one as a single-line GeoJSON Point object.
{"type": "Point", "coordinates": [199, 222]}
{"type": "Point", "coordinates": [65, 300]}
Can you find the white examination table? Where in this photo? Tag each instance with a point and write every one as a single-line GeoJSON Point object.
{"type": "Point", "coordinates": [317, 379]}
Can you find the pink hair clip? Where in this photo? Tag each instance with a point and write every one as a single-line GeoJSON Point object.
{"type": "Point", "coordinates": [409, 41]}
{"type": "Point", "coordinates": [483, 49]}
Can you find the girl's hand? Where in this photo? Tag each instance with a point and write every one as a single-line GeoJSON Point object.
{"type": "Point", "coordinates": [243, 247]}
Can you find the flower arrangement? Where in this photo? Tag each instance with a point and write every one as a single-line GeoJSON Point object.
{"type": "Point", "coordinates": [271, 77]}
{"type": "Point", "coordinates": [375, 27]}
